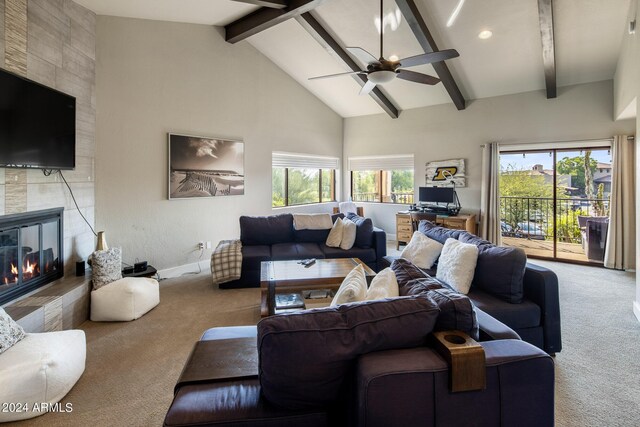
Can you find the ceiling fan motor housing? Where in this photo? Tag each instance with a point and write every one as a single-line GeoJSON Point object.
{"type": "Point", "coordinates": [380, 77]}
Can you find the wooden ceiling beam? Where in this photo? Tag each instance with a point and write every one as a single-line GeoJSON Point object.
{"type": "Point", "coordinates": [275, 4]}
{"type": "Point", "coordinates": [325, 39]}
{"type": "Point", "coordinates": [423, 35]}
{"type": "Point", "coordinates": [266, 17]}
{"type": "Point", "coordinates": [545, 13]}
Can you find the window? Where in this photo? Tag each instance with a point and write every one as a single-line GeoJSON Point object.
{"type": "Point", "coordinates": [299, 179]}
{"type": "Point", "coordinates": [388, 179]}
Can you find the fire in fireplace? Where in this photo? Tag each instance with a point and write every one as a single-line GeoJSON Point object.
{"type": "Point", "coordinates": [30, 251]}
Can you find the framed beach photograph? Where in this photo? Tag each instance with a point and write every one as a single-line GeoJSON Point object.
{"type": "Point", "coordinates": [205, 167]}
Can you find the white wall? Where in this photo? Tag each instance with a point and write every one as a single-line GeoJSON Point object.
{"type": "Point", "coordinates": [636, 303]}
{"type": "Point", "coordinates": [158, 77]}
{"type": "Point", "coordinates": [626, 103]}
{"type": "Point", "coordinates": [626, 81]}
{"type": "Point", "coordinates": [441, 132]}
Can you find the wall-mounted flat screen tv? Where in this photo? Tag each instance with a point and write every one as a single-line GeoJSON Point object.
{"type": "Point", "coordinates": [37, 125]}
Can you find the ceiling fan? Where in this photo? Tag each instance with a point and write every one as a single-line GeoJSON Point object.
{"type": "Point", "coordinates": [380, 71]}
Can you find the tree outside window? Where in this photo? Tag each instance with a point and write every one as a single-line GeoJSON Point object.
{"type": "Point", "coordinates": [382, 186]}
{"type": "Point", "coordinates": [299, 186]}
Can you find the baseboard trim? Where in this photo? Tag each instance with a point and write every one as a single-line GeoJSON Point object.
{"type": "Point", "coordinates": [636, 309]}
{"type": "Point", "coordinates": [170, 273]}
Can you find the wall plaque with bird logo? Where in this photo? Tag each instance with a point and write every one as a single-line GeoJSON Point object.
{"type": "Point", "coordinates": [444, 173]}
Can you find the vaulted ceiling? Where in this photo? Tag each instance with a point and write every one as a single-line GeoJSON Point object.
{"type": "Point", "coordinates": [587, 33]}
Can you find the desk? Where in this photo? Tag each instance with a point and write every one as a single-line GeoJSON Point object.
{"type": "Point", "coordinates": [460, 222]}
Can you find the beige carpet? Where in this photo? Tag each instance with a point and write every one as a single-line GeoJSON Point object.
{"type": "Point", "coordinates": [132, 367]}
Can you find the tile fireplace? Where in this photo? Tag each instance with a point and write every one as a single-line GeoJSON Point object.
{"type": "Point", "coordinates": [31, 251]}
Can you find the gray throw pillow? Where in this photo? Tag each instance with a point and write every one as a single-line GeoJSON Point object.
{"type": "Point", "coordinates": [437, 233]}
{"type": "Point", "coordinates": [364, 231]}
{"type": "Point", "coordinates": [10, 332]}
{"type": "Point", "coordinates": [499, 270]}
{"type": "Point", "coordinates": [106, 266]}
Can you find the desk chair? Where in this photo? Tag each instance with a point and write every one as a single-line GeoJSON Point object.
{"type": "Point", "coordinates": [416, 217]}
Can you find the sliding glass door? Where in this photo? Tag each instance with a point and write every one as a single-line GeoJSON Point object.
{"type": "Point", "coordinates": [555, 203]}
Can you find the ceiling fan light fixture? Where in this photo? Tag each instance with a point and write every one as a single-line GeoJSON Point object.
{"type": "Point", "coordinates": [381, 77]}
{"type": "Point", "coordinates": [485, 34]}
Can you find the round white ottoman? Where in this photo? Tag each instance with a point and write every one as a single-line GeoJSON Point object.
{"type": "Point", "coordinates": [126, 299]}
{"type": "Point", "coordinates": [40, 369]}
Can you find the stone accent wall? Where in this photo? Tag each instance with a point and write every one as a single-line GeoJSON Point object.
{"type": "Point", "coordinates": [53, 43]}
{"type": "Point", "coordinates": [16, 36]}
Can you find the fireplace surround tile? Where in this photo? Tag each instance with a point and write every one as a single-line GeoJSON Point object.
{"type": "Point", "coordinates": [35, 25]}
{"type": "Point", "coordinates": [52, 310]}
{"type": "Point", "coordinates": [73, 294]}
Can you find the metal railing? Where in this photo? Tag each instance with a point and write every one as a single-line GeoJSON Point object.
{"type": "Point", "coordinates": [394, 197]}
{"type": "Point", "coordinates": [533, 217]}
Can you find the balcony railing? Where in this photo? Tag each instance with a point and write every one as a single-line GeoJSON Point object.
{"type": "Point", "coordinates": [394, 197]}
{"type": "Point", "coordinates": [533, 217]}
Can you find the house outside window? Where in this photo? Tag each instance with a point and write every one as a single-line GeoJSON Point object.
{"type": "Point", "coordinates": [382, 179]}
{"type": "Point", "coordinates": [299, 179]}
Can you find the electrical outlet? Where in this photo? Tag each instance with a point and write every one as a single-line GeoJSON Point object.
{"type": "Point", "coordinates": [200, 245]}
{"type": "Point", "coordinates": [208, 245]}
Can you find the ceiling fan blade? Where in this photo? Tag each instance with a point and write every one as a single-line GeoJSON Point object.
{"type": "Point", "coordinates": [412, 76]}
{"type": "Point", "coordinates": [428, 58]}
{"type": "Point", "coordinates": [368, 87]}
{"type": "Point", "coordinates": [337, 75]}
{"type": "Point", "coordinates": [363, 55]}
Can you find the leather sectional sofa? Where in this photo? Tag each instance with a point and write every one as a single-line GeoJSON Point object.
{"type": "Point", "coordinates": [522, 295]}
{"type": "Point", "coordinates": [364, 364]}
{"type": "Point", "coordinates": [274, 238]}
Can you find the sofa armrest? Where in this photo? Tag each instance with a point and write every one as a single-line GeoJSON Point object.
{"type": "Point", "coordinates": [493, 329]}
{"type": "Point", "coordinates": [380, 246]}
{"type": "Point", "coordinates": [541, 287]}
{"type": "Point", "coordinates": [410, 387]}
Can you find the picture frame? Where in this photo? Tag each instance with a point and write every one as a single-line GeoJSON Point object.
{"type": "Point", "coordinates": [204, 167]}
{"type": "Point", "coordinates": [445, 173]}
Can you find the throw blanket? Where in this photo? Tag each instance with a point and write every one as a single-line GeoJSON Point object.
{"type": "Point", "coordinates": [226, 261]}
{"type": "Point", "coordinates": [312, 221]}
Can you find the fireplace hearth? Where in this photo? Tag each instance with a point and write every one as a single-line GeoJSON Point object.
{"type": "Point", "coordinates": [31, 251]}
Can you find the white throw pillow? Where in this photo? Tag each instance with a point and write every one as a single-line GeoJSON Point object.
{"type": "Point", "coordinates": [348, 234]}
{"type": "Point", "coordinates": [335, 235]}
{"type": "Point", "coordinates": [312, 221]}
{"type": "Point", "coordinates": [422, 251]}
{"type": "Point", "coordinates": [384, 285]}
{"type": "Point", "coordinates": [457, 265]}
{"type": "Point", "coordinates": [11, 332]}
{"type": "Point", "coordinates": [353, 287]}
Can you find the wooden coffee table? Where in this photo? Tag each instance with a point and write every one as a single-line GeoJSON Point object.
{"type": "Point", "coordinates": [288, 276]}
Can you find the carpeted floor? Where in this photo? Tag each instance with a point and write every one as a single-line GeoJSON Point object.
{"type": "Point", "coordinates": [132, 367]}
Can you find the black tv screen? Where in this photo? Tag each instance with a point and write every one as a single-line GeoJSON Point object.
{"type": "Point", "coordinates": [436, 194]}
{"type": "Point", "coordinates": [37, 125]}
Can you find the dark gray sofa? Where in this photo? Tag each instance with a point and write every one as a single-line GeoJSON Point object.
{"type": "Point", "coordinates": [274, 238]}
{"type": "Point", "coordinates": [522, 295]}
{"type": "Point", "coordinates": [365, 364]}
